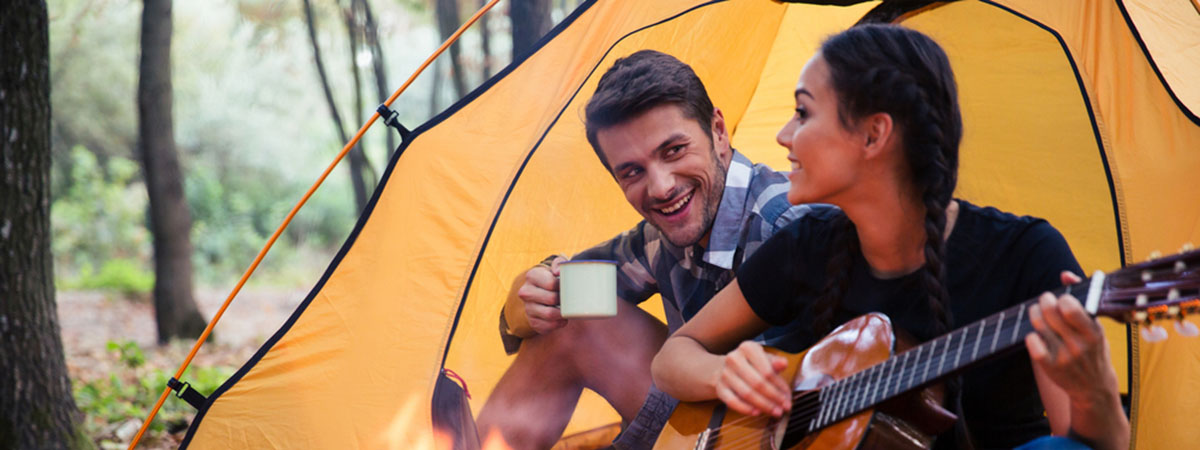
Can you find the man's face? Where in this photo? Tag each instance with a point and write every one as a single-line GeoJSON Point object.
{"type": "Point", "coordinates": [672, 172]}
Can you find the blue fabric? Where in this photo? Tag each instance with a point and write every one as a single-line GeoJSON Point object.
{"type": "Point", "coordinates": [648, 423]}
{"type": "Point", "coordinates": [1053, 443]}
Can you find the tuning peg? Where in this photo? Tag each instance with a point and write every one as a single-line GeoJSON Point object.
{"type": "Point", "coordinates": [1186, 329]}
{"type": "Point", "coordinates": [1187, 248]}
{"type": "Point", "coordinates": [1180, 266]}
{"type": "Point", "coordinates": [1153, 333]}
{"type": "Point", "coordinates": [1155, 255]}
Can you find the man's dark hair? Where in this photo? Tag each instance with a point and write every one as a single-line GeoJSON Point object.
{"type": "Point", "coordinates": [640, 82]}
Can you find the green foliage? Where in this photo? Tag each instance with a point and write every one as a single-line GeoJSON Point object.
{"type": "Point", "coordinates": [130, 394]}
{"type": "Point", "coordinates": [127, 277]}
{"type": "Point", "coordinates": [99, 222]}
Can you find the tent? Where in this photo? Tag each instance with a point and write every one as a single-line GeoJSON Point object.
{"type": "Point", "coordinates": [1082, 111]}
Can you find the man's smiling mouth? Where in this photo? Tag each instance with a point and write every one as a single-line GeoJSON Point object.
{"type": "Point", "coordinates": [675, 207]}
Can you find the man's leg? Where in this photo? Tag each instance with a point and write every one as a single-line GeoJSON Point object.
{"type": "Point", "coordinates": [533, 401]}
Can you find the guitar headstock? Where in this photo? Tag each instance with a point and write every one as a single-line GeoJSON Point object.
{"type": "Point", "coordinates": [1159, 289]}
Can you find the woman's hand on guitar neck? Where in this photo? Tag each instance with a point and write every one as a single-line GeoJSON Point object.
{"type": "Point", "coordinates": [749, 381]}
{"type": "Point", "coordinates": [1069, 349]}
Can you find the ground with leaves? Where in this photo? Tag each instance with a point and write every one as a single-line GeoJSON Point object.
{"type": "Point", "coordinates": [118, 371]}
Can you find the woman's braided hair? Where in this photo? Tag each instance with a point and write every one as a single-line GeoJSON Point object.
{"type": "Point", "coordinates": [901, 72]}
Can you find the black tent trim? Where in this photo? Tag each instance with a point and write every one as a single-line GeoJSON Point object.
{"type": "Point", "coordinates": [1112, 189]}
{"type": "Point", "coordinates": [1150, 58]}
{"type": "Point", "coordinates": [1131, 368]}
{"type": "Point", "coordinates": [365, 215]}
{"type": "Point", "coordinates": [496, 218]}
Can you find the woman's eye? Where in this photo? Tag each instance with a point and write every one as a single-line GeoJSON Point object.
{"type": "Point", "coordinates": [801, 113]}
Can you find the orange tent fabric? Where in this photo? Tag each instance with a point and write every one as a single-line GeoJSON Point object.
{"type": "Point", "coordinates": [1078, 111]}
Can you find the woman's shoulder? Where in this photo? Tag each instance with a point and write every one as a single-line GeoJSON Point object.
{"type": "Point", "coordinates": [819, 218]}
{"type": "Point", "coordinates": [989, 230]}
{"type": "Point", "coordinates": [992, 222]}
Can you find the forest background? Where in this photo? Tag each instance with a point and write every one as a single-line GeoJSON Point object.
{"type": "Point", "coordinates": [265, 94]}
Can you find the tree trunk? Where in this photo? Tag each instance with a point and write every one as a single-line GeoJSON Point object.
{"type": "Point", "coordinates": [36, 407]}
{"type": "Point", "coordinates": [381, 79]}
{"type": "Point", "coordinates": [448, 21]}
{"type": "Point", "coordinates": [358, 156]}
{"type": "Point", "coordinates": [530, 21]}
{"type": "Point", "coordinates": [485, 41]}
{"type": "Point", "coordinates": [356, 181]}
{"type": "Point", "coordinates": [170, 220]}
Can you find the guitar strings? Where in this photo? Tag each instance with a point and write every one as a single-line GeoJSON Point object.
{"type": "Point", "coordinates": [854, 389]}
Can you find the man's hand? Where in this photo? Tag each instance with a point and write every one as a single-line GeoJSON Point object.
{"type": "Point", "coordinates": [540, 294]}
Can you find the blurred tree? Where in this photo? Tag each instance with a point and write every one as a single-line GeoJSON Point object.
{"type": "Point", "coordinates": [530, 21]}
{"type": "Point", "coordinates": [448, 21]}
{"type": "Point", "coordinates": [381, 79]}
{"type": "Point", "coordinates": [485, 42]}
{"type": "Point", "coordinates": [356, 164]}
{"type": "Point", "coordinates": [36, 407]}
{"type": "Point", "coordinates": [170, 219]}
{"type": "Point", "coordinates": [356, 31]}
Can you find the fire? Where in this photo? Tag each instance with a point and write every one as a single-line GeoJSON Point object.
{"type": "Point", "coordinates": [411, 428]}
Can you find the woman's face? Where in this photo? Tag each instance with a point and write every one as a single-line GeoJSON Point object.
{"type": "Point", "coordinates": [824, 154]}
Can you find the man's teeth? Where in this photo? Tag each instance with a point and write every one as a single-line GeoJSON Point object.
{"type": "Point", "coordinates": [677, 205]}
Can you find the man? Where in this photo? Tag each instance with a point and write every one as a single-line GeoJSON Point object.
{"type": "Point", "coordinates": [706, 207]}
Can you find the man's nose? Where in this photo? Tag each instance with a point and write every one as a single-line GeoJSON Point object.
{"type": "Point", "coordinates": [662, 184]}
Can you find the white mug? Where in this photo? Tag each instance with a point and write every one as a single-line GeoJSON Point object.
{"type": "Point", "coordinates": [587, 289]}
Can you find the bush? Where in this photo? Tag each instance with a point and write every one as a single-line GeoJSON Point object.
{"type": "Point", "coordinates": [130, 393]}
{"type": "Point", "coordinates": [123, 276]}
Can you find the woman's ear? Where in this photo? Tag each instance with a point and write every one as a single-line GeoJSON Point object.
{"type": "Point", "coordinates": [878, 129]}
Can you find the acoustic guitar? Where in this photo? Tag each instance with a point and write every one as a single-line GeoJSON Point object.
{"type": "Point", "coordinates": [862, 387]}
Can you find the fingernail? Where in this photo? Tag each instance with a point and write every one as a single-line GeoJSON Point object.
{"type": "Point", "coordinates": [754, 412]}
{"type": "Point", "coordinates": [777, 411]}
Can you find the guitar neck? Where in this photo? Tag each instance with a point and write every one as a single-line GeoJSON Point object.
{"type": "Point", "coordinates": [928, 362]}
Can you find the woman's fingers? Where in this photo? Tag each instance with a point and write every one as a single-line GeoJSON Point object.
{"type": "Point", "coordinates": [750, 373]}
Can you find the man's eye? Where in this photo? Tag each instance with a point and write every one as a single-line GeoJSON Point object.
{"type": "Point", "coordinates": [674, 150]}
{"type": "Point", "coordinates": [631, 173]}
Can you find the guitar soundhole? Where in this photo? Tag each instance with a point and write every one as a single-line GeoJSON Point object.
{"type": "Point", "coordinates": [795, 430]}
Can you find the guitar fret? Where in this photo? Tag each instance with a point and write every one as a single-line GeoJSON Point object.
{"type": "Point", "coordinates": [961, 341]}
{"type": "Point", "coordinates": [1017, 326]}
{"type": "Point", "coordinates": [820, 409]}
{"type": "Point", "coordinates": [837, 402]}
{"type": "Point", "coordinates": [890, 373]}
{"type": "Point", "coordinates": [900, 372]}
{"type": "Point", "coordinates": [942, 365]}
{"type": "Point", "coordinates": [916, 364]}
{"type": "Point", "coordinates": [978, 339]}
{"type": "Point", "coordinates": [875, 389]}
{"type": "Point", "coordinates": [999, 326]}
{"type": "Point", "coordinates": [925, 376]}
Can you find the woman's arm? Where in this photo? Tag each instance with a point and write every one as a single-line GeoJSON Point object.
{"type": "Point", "coordinates": [1071, 364]}
{"type": "Point", "coordinates": [693, 364]}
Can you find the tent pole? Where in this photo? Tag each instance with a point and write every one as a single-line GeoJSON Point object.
{"type": "Point", "coordinates": [288, 220]}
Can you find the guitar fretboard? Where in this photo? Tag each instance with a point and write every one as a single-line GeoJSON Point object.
{"type": "Point", "coordinates": [927, 362]}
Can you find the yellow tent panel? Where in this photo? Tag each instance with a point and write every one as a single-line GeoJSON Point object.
{"type": "Point", "coordinates": [1079, 111]}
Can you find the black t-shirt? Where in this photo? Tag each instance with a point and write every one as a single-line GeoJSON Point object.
{"type": "Point", "coordinates": [993, 260]}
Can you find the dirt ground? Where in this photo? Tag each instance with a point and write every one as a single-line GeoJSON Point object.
{"type": "Point", "coordinates": [89, 320]}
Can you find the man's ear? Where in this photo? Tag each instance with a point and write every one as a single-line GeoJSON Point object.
{"type": "Point", "coordinates": [878, 130]}
{"type": "Point", "coordinates": [720, 137]}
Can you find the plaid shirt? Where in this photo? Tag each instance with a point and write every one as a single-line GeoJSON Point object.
{"type": "Point", "coordinates": [753, 207]}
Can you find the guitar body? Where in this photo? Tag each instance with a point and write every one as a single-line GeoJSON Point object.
{"type": "Point", "coordinates": [908, 421]}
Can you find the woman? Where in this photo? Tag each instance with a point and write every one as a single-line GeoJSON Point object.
{"type": "Point", "coordinates": [876, 133]}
